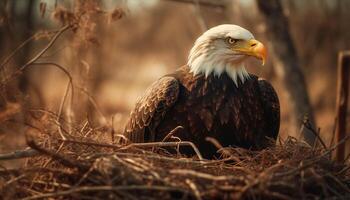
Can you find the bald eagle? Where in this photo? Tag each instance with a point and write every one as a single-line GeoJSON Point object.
{"type": "Point", "coordinates": [212, 96]}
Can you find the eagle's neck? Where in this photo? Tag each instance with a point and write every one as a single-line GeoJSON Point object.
{"type": "Point", "coordinates": [208, 59]}
{"type": "Point", "coordinates": [235, 71]}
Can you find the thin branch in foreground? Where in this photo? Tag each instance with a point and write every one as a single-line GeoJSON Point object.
{"type": "Point", "coordinates": [217, 144]}
{"type": "Point", "coordinates": [33, 152]}
{"type": "Point", "coordinates": [19, 154]}
{"type": "Point", "coordinates": [94, 103]}
{"type": "Point", "coordinates": [37, 56]}
{"type": "Point", "coordinates": [63, 160]}
{"type": "Point", "coordinates": [91, 143]}
{"type": "Point", "coordinates": [262, 174]}
{"type": "Point", "coordinates": [167, 144]}
{"type": "Point", "coordinates": [315, 160]}
{"type": "Point", "coordinates": [194, 188]}
{"type": "Point", "coordinates": [202, 175]}
{"type": "Point", "coordinates": [64, 99]}
{"type": "Point", "coordinates": [308, 125]}
{"type": "Point", "coordinates": [112, 130]}
{"type": "Point", "coordinates": [171, 133]}
{"type": "Point", "coordinates": [16, 50]}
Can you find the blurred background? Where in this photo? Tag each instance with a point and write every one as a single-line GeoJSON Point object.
{"type": "Point", "coordinates": [119, 47]}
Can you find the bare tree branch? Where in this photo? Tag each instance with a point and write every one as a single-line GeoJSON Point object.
{"type": "Point", "coordinates": [64, 99]}
{"type": "Point", "coordinates": [37, 56]}
{"type": "Point", "coordinates": [19, 154]}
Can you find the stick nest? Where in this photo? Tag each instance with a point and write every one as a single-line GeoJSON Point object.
{"type": "Point", "coordinates": [84, 168]}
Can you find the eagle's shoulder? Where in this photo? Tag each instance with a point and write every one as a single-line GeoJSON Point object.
{"type": "Point", "coordinates": [267, 91]}
{"type": "Point", "coordinates": [271, 107]}
{"type": "Point", "coordinates": [151, 108]}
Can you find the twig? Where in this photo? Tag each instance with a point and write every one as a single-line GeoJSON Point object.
{"type": "Point", "coordinates": [84, 126]}
{"type": "Point", "coordinates": [93, 103]}
{"type": "Point", "coordinates": [194, 188]}
{"type": "Point", "coordinates": [337, 145]}
{"type": "Point", "coordinates": [202, 175]}
{"type": "Point", "coordinates": [52, 114]}
{"type": "Point", "coordinates": [217, 144]}
{"type": "Point", "coordinates": [315, 160]}
{"type": "Point", "coordinates": [69, 85]}
{"type": "Point", "coordinates": [8, 58]}
{"type": "Point", "coordinates": [20, 171]}
{"type": "Point", "coordinates": [214, 141]}
{"type": "Point", "coordinates": [60, 112]}
{"type": "Point", "coordinates": [112, 130]}
{"type": "Point", "coordinates": [91, 143]}
{"type": "Point", "coordinates": [342, 185]}
{"type": "Point", "coordinates": [167, 144]}
{"type": "Point", "coordinates": [171, 133]}
{"type": "Point", "coordinates": [53, 184]}
{"type": "Point", "coordinates": [65, 161]}
{"type": "Point", "coordinates": [163, 158]}
{"type": "Point", "coordinates": [124, 138]}
{"type": "Point", "coordinates": [308, 125]}
{"type": "Point", "coordinates": [19, 154]}
{"type": "Point", "coordinates": [37, 56]}
{"type": "Point", "coordinates": [56, 51]}
{"type": "Point", "coordinates": [14, 180]}
{"type": "Point", "coordinates": [87, 173]}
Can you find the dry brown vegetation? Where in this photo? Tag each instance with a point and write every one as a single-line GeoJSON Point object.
{"type": "Point", "coordinates": [66, 92]}
{"type": "Point", "coordinates": [88, 166]}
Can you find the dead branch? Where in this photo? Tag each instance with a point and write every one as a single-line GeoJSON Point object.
{"type": "Point", "coordinates": [217, 144]}
{"type": "Point", "coordinates": [166, 144]}
{"type": "Point", "coordinates": [194, 188]}
{"type": "Point", "coordinates": [69, 86]}
{"type": "Point", "coordinates": [278, 172]}
{"type": "Point", "coordinates": [203, 175]}
{"type": "Point", "coordinates": [342, 101]}
{"type": "Point", "coordinates": [90, 143]}
{"type": "Point", "coordinates": [19, 154]}
{"type": "Point", "coordinates": [16, 50]}
{"type": "Point", "coordinates": [65, 161]}
{"type": "Point", "coordinates": [93, 103]}
{"type": "Point", "coordinates": [308, 125]}
{"type": "Point", "coordinates": [171, 133]}
{"type": "Point", "coordinates": [37, 56]}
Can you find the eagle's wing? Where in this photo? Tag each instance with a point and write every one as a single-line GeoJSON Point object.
{"type": "Point", "coordinates": [271, 107]}
{"type": "Point", "coordinates": [150, 109]}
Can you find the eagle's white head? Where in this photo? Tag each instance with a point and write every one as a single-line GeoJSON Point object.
{"type": "Point", "coordinates": [224, 48]}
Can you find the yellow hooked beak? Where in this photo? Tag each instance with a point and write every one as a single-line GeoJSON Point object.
{"type": "Point", "coordinates": [251, 47]}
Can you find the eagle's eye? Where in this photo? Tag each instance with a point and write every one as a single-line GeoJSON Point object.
{"type": "Point", "coordinates": [230, 40]}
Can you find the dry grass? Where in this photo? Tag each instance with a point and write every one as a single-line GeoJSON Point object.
{"type": "Point", "coordinates": [85, 166]}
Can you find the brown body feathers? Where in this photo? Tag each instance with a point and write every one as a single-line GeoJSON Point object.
{"type": "Point", "coordinates": [244, 116]}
